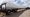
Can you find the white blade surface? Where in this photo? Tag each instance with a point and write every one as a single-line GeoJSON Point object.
{"type": "Point", "coordinates": [16, 3]}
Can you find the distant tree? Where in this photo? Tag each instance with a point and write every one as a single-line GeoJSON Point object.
{"type": "Point", "coordinates": [28, 8]}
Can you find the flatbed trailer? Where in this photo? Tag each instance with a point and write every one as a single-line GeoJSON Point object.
{"type": "Point", "coordinates": [7, 11]}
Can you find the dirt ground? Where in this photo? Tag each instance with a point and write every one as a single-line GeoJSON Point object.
{"type": "Point", "coordinates": [25, 13]}
{"type": "Point", "coordinates": [20, 14]}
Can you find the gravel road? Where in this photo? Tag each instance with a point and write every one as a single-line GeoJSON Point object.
{"type": "Point", "coordinates": [25, 13]}
{"type": "Point", "coordinates": [20, 14]}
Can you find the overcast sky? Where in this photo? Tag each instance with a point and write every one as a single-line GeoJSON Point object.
{"type": "Point", "coordinates": [19, 3]}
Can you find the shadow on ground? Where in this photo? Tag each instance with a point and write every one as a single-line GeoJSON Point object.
{"type": "Point", "coordinates": [15, 14]}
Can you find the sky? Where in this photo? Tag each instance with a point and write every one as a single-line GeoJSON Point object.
{"type": "Point", "coordinates": [19, 3]}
